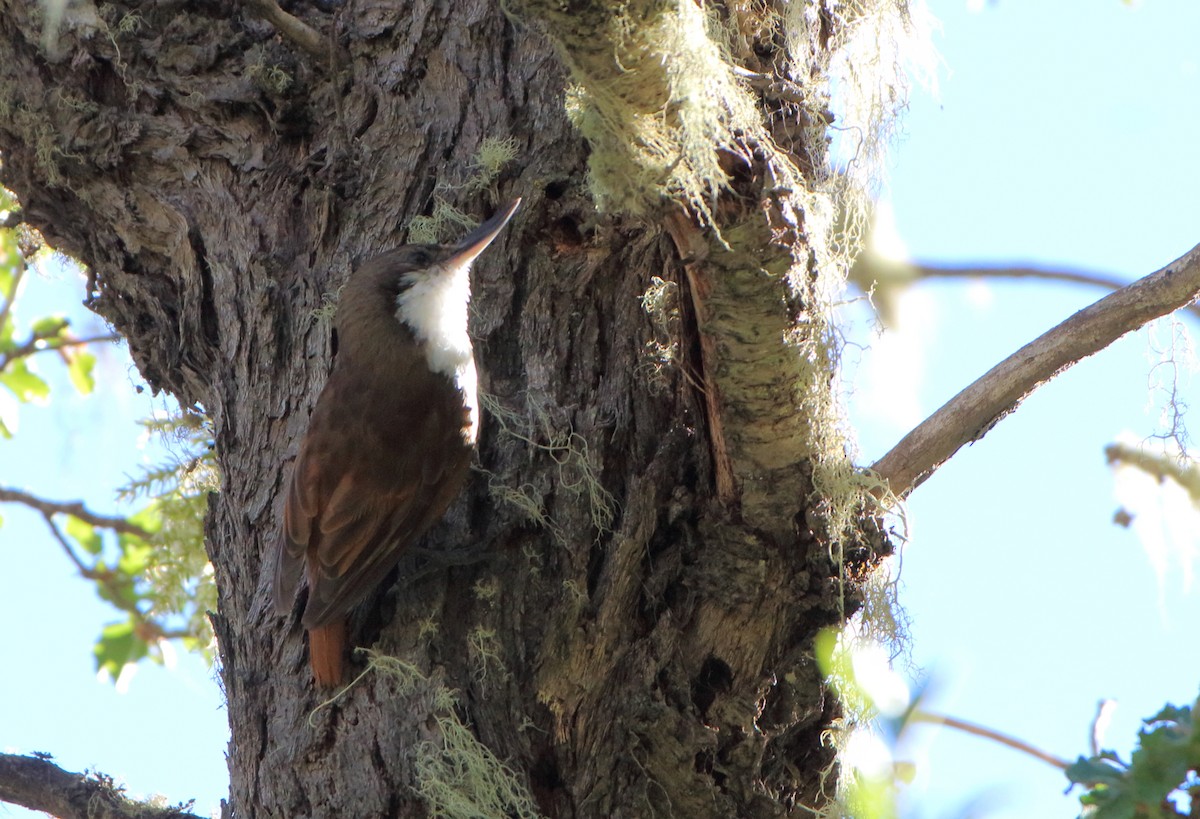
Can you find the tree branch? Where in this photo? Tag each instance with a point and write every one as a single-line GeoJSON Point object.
{"type": "Point", "coordinates": [969, 416]}
{"type": "Point", "coordinates": [36, 783]}
{"type": "Point", "coordinates": [31, 347]}
{"type": "Point", "coordinates": [295, 29]}
{"type": "Point", "coordinates": [988, 733]}
{"type": "Point", "coordinates": [148, 628]}
{"type": "Point", "coordinates": [11, 295]}
{"type": "Point", "coordinates": [75, 509]}
{"type": "Point", "coordinates": [1057, 274]}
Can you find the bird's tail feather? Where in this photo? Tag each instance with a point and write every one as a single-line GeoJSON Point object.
{"type": "Point", "coordinates": [327, 653]}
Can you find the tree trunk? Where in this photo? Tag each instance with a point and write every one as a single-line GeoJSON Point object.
{"type": "Point", "coordinates": [634, 634]}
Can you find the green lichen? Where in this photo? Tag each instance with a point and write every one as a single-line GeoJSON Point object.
{"type": "Point", "coordinates": [483, 649]}
{"type": "Point", "coordinates": [458, 776]}
{"type": "Point", "coordinates": [446, 222]}
{"type": "Point", "coordinates": [575, 469]}
{"type": "Point", "coordinates": [658, 109]}
{"type": "Point", "coordinates": [272, 79]}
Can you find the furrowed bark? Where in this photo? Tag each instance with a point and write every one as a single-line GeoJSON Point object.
{"type": "Point", "coordinates": [637, 637]}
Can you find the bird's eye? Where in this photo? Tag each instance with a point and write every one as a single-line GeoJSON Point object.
{"type": "Point", "coordinates": [420, 257]}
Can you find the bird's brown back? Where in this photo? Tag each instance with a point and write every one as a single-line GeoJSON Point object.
{"type": "Point", "coordinates": [384, 455]}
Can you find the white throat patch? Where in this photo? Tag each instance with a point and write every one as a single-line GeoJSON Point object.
{"type": "Point", "coordinates": [434, 304]}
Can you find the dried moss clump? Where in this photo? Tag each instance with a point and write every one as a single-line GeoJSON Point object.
{"type": "Point", "coordinates": [457, 775]}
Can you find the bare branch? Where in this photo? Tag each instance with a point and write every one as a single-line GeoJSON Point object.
{"type": "Point", "coordinates": [83, 568]}
{"type": "Point", "coordinates": [11, 295]}
{"type": "Point", "coordinates": [31, 347]}
{"type": "Point", "coordinates": [1058, 274]}
{"type": "Point", "coordinates": [36, 783]}
{"type": "Point", "coordinates": [968, 416]}
{"type": "Point", "coordinates": [1160, 465]}
{"type": "Point", "coordinates": [82, 342]}
{"type": "Point", "coordinates": [294, 29]}
{"type": "Point", "coordinates": [74, 509]}
{"type": "Point", "coordinates": [988, 733]}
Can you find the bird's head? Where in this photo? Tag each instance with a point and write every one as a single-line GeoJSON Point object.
{"type": "Point", "coordinates": [424, 287]}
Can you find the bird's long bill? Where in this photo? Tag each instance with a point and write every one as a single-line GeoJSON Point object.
{"type": "Point", "coordinates": [474, 242]}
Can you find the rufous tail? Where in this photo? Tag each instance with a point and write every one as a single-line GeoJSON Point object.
{"type": "Point", "coordinates": [327, 653]}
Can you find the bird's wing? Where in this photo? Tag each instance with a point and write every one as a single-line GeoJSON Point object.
{"type": "Point", "coordinates": [356, 502]}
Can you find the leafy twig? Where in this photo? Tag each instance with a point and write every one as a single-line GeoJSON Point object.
{"type": "Point", "coordinates": [31, 347]}
{"type": "Point", "coordinates": [75, 509]}
{"type": "Point", "coordinates": [116, 585]}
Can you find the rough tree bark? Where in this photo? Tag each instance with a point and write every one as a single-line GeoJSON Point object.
{"type": "Point", "coordinates": [637, 637]}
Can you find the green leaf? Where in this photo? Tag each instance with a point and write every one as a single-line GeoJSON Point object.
{"type": "Point", "coordinates": [7, 345]}
{"type": "Point", "coordinates": [136, 555]}
{"type": "Point", "coordinates": [117, 647]}
{"type": "Point", "coordinates": [5, 432]}
{"type": "Point", "coordinates": [1173, 713]}
{"type": "Point", "coordinates": [1103, 769]}
{"type": "Point", "coordinates": [50, 327]}
{"type": "Point", "coordinates": [1194, 742]}
{"type": "Point", "coordinates": [80, 369]}
{"type": "Point", "coordinates": [117, 588]}
{"type": "Point", "coordinates": [24, 384]}
{"type": "Point", "coordinates": [85, 535]}
{"type": "Point", "coordinates": [1163, 763]}
{"type": "Point", "coordinates": [149, 518]}
{"type": "Point", "coordinates": [1160, 763]}
{"type": "Point", "coordinates": [10, 256]}
{"type": "Point", "coordinates": [1110, 803]}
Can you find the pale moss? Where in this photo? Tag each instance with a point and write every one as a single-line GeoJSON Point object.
{"type": "Point", "coordinates": [271, 78]}
{"type": "Point", "coordinates": [491, 157]}
{"type": "Point", "coordinates": [487, 589]}
{"type": "Point", "coordinates": [658, 121]}
{"type": "Point", "coordinates": [568, 450]}
{"type": "Point", "coordinates": [130, 23]}
{"type": "Point", "coordinates": [265, 74]}
{"type": "Point", "coordinates": [324, 313]}
{"type": "Point", "coordinates": [661, 303]}
{"type": "Point", "coordinates": [428, 628]}
{"type": "Point", "coordinates": [458, 776]}
{"type": "Point", "coordinates": [483, 649]}
{"type": "Point", "coordinates": [423, 230]}
{"type": "Point", "coordinates": [525, 500]}
{"type": "Point", "coordinates": [575, 593]}
{"type": "Point", "coordinates": [446, 222]}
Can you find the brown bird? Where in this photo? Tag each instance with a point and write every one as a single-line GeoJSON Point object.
{"type": "Point", "coordinates": [389, 443]}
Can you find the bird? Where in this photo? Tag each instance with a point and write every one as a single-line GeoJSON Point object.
{"type": "Point", "coordinates": [389, 442]}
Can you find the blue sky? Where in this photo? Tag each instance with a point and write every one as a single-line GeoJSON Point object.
{"type": "Point", "coordinates": [1061, 133]}
{"type": "Point", "coordinates": [168, 733]}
